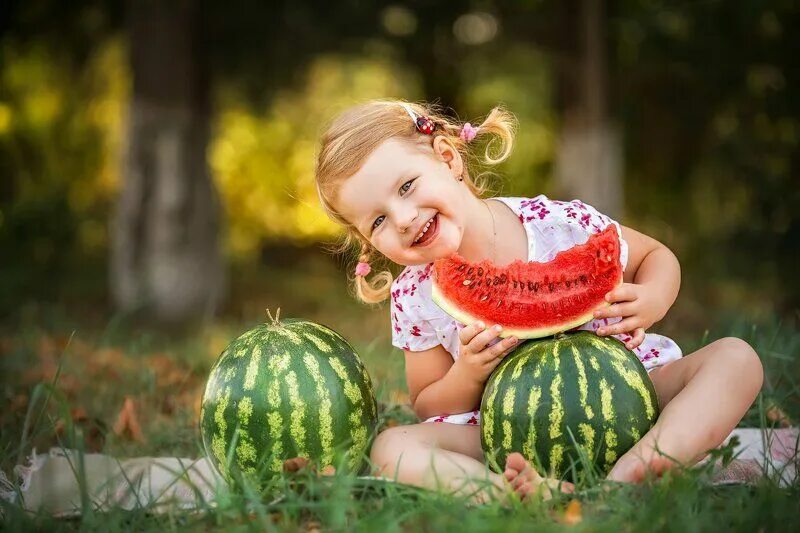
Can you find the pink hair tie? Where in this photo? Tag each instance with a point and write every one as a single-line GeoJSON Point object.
{"type": "Point", "coordinates": [362, 269]}
{"type": "Point", "coordinates": [468, 132]}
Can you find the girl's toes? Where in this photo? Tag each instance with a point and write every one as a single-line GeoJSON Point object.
{"type": "Point", "coordinates": [517, 462]}
{"type": "Point", "coordinates": [510, 474]}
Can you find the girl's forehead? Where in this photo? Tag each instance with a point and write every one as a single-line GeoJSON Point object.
{"type": "Point", "coordinates": [362, 192]}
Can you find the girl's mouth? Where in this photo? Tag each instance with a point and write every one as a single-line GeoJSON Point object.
{"type": "Point", "coordinates": [428, 233]}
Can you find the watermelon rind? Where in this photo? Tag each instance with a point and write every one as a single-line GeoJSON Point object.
{"type": "Point", "coordinates": [561, 400]}
{"type": "Point", "coordinates": [287, 389]}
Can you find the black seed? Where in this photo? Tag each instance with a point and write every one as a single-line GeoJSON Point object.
{"type": "Point", "coordinates": [480, 272]}
{"type": "Point", "coordinates": [461, 267]}
{"type": "Point", "coordinates": [531, 286]}
{"type": "Point", "coordinates": [536, 287]}
{"type": "Point", "coordinates": [584, 280]}
{"type": "Point", "coordinates": [514, 283]}
{"type": "Point", "coordinates": [568, 283]}
{"type": "Point", "coordinates": [503, 279]}
{"type": "Point", "coordinates": [551, 286]}
{"type": "Point", "coordinates": [496, 280]}
{"type": "Point", "coordinates": [470, 271]}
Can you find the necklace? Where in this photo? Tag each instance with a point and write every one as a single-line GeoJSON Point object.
{"type": "Point", "coordinates": [494, 232]}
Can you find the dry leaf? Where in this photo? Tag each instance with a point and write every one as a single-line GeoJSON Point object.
{"type": "Point", "coordinates": [127, 422]}
{"type": "Point", "coordinates": [776, 414]}
{"type": "Point", "coordinates": [572, 514]}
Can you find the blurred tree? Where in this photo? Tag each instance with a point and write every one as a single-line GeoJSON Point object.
{"type": "Point", "coordinates": [165, 254]}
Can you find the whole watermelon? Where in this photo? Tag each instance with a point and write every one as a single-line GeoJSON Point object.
{"type": "Point", "coordinates": [577, 388]}
{"type": "Point", "coordinates": [292, 389]}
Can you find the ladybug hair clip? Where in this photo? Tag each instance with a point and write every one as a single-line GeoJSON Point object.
{"type": "Point", "coordinates": [424, 124]}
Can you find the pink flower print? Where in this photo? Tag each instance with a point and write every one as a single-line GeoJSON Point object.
{"type": "Point", "coordinates": [425, 274]}
{"type": "Point", "coordinates": [405, 290]}
{"type": "Point", "coordinates": [521, 218]}
{"type": "Point", "coordinates": [543, 212]}
{"type": "Point", "coordinates": [585, 219]}
{"type": "Point", "coordinates": [413, 289]}
{"type": "Point", "coordinates": [571, 213]}
{"type": "Point", "coordinates": [440, 418]}
{"type": "Point", "coordinates": [396, 293]}
{"type": "Point", "coordinates": [473, 421]}
{"type": "Point", "coordinates": [407, 347]}
{"type": "Point", "coordinates": [399, 306]}
{"type": "Point", "coordinates": [580, 205]}
{"type": "Point", "coordinates": [415, 331]}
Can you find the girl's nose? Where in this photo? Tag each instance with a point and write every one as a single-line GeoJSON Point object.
{"type": "Point", "coordinates": [406, 220]}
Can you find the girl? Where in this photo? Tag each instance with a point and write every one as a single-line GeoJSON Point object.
{"type": "Point", "coordinates": [396, 176]}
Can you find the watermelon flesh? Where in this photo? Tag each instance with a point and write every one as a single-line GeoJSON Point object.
{"type": "Point", "coordinates": [532, 300]}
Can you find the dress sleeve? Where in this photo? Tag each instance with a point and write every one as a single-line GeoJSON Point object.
{"type": "Point", "coordinates": [562, 225]}
{"type": "Point", "coordinates": [410, 330]}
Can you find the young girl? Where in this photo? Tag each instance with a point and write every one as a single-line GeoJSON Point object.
{"type": "Point", "coordinates": [396, 176]}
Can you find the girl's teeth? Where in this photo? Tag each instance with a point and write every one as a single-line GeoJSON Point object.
{"type": "Point", "coordinates": [421, 233]}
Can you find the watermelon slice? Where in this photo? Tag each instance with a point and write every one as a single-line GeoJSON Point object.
{"type": "Point", "coordinates": [532, 300]}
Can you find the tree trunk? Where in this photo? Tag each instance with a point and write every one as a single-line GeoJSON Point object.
{"type": "Point", "coordinates": [589, 158]}
{"type": "Point", "coordinates": [165, 257]}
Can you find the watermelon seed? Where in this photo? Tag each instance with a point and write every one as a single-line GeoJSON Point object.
{"type": "Point", "coordinates": [472, 269]}
{"type": "Point", "coordinates": [514, 282]}
{"type": "Point", "coordinates": [551, 286]}
{"type": "Point", "coordinates": [496, 280]}
{"type": "Point", "coordinates": [461, 267]}
{"type": "Point", "coordinates": [568, 283]}
{"type": "Point", "coordinates": [503, 279]}
{"type": "Point", "coordinates": [499, 302]}
{"type": "Point", "coordinates": [484, 297]}
{"type": "Point", "coordinates": [467, 281]}
{"type": "Point", "coordinates": [480, 272]}
{"type": "Point", "coordinates": [584, 280]}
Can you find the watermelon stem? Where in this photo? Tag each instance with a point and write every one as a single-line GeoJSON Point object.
{"type": "Point", "coordinates": [276, 319]}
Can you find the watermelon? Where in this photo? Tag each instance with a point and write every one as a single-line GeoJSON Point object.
{"type": "Point", "coordinates": [551, 398]}
{"type": "Point", "coordinates": [287, 389]}
{"type": "Point", "coordinates": [532, 300]}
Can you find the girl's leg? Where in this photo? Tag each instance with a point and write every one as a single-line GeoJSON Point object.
{"type": "Point", "coordinates": [702, 397]}
{"type": "Point", "coordinates": [447, 456]}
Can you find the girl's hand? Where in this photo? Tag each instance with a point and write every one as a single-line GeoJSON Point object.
{"type": "Point", "coordinates": [477, 360]}
{"type": "Point", "coordinates": [639, 307]}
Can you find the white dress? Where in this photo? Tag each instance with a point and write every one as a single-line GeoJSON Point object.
{"type": "Point", "coordinates": [551, 226]}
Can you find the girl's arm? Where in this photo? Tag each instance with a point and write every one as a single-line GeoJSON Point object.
{"type": "Point", "coordinates": [434, 386]}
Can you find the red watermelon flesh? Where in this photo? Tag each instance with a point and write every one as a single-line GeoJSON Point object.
{"type": "Point", "coordinates": [532, 300]}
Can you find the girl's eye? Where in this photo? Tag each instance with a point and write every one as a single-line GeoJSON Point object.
{"type": "Point", "coordinates": [407, 185]}
{"type": "Point", "coordinates": [378, 221]}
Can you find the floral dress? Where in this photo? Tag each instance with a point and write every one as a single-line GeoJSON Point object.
{"type": "Point", "coordinates": [551, 226]}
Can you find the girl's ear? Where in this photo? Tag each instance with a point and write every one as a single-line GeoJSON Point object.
{"type": "Point", "coordinates": [448, 153]}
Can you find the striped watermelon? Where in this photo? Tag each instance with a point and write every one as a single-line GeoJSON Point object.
{"type": "Point", "coordinates": [293, 389]}
{"type": "Point", "coordinates": [573, 388]}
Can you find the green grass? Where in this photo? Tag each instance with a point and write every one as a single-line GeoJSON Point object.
{"type": "Point", "coordinates": [66, 373]}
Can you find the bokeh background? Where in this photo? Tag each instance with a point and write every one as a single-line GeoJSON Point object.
{"type": "Point", "coordinates": [156, 169]}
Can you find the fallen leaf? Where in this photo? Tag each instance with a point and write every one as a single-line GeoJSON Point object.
{"type": "Point", "coordinates": [572, 514]}
{"type": "Point", "coordinates": [776, 414]}
{"type": "Point", "coordinates": [127, 422]}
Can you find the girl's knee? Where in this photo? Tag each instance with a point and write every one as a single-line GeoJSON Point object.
{"type": "Point", "coordinates": [390, 442]}
{"type": "Point", "coordinates": [739, 353]}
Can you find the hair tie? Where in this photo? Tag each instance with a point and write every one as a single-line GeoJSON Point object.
{"type": "Point", "coordinates": [468, 132]}
{"type": "Point", "coordinates": [362, 269]}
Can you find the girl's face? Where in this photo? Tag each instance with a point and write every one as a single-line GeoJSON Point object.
{"type": "Point", "coordinates": [400, 193]}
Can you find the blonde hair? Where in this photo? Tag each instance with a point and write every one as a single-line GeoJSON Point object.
{"type": "Point", "coordinates": [357, 132]}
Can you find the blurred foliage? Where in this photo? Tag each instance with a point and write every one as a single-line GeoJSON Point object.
{"type": "Point", "coordinates": [702, 91]}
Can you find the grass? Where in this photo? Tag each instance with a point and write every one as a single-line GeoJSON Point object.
{"type": "Point", "coordinates": [65, 379]}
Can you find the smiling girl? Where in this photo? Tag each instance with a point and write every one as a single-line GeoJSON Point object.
{"type": "Point", "coordinates": [396, 176]}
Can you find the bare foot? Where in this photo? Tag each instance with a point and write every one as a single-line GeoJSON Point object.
{"type": "Point", "coordinates": [524, 479]}
{"type": "Point", "coordinates": [638, 462]}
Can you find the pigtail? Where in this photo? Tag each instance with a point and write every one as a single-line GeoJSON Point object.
{"type": "Point", "coordinates": [503, 124]}
{"type": "Point", "coordinates": [376, 290]}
